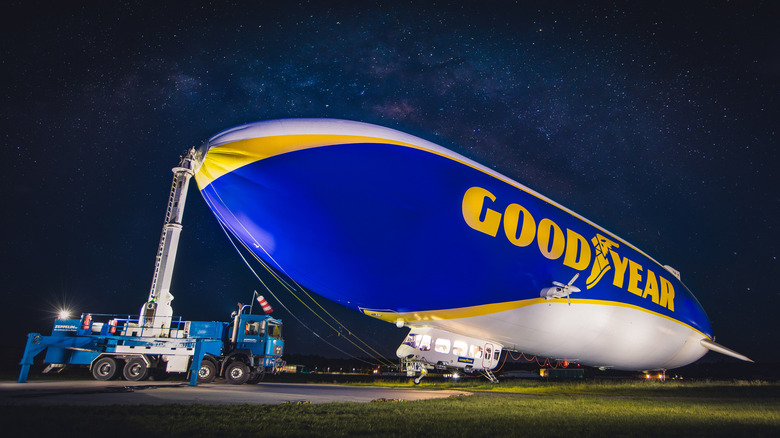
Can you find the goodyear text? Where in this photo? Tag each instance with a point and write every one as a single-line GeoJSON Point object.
{"type": "Point", "coordinates": [554, 243]}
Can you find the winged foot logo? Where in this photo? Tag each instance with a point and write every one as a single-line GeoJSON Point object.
{"type": "Point", "coordinates": [521, 229]}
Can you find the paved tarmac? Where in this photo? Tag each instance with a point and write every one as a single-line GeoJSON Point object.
{"type": "Point", "coordinates": [95, 393]}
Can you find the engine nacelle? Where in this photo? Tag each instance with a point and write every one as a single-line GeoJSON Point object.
{"type": "Point", "coordinates": [549, 293]}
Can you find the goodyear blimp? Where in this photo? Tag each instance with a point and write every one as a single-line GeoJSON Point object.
{"type": "Point", "coordinates": [409, 232]}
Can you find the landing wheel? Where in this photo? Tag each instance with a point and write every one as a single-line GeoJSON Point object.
{"type": "Point", "coordinates": [237, 373]}
{"type": "Point", "coordinates": [256, 376]}
{"type": "Point", "coordinates": [105, 369]}
{"type": "Point", "coordinates": [423, 373]}
{"type": "Point", "coordinates": [207, 372]}
{"type": "Point", "coordinates": [135, 369]}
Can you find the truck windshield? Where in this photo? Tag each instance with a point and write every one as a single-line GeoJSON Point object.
{"type": "Point", "coordinates": [274, 330]}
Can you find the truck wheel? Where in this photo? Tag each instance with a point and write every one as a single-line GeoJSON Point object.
{"type": "Point", "coordinates": [256, 376]}
{"type": "Point", "coordinates": [237, 373]}
{"type": "Point", "coordinates": [135, 369]}
{"type": "Point", "coordinates": [105, 369]}
{"type": "Point", "coordinates": [207, 372]}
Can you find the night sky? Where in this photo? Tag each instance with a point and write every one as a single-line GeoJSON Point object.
{"type": "Point", "coordinates": [657, 122]}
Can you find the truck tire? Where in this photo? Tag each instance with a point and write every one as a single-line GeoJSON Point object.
{"type": "Point", "coordinates": [135, 370]}
{"type": "Point", "coordinates": [105, 369]}
{"type": "Point", "coordinates": [237, 373]}
{"type": "Point", "coordinates": [207, 372]}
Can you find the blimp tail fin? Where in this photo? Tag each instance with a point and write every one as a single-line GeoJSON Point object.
{"type": "Point", "coordinates": [712, 346]}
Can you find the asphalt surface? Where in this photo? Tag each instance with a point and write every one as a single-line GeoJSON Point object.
{"type": "Point", "coordinates": [95, 393]}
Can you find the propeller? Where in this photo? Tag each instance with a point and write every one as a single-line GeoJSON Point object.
{"type": "Point", "coordinates": [568, 289]}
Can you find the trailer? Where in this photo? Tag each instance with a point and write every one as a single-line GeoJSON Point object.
{"type": "Point", "coordinates": [154, 342]}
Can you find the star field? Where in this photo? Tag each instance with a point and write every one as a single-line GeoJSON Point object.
{"type": "Point", "coordinates": [656, 121]}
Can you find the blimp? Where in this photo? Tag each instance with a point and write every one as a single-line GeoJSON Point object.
{"type": "Point", "coordinates": [473, 262]}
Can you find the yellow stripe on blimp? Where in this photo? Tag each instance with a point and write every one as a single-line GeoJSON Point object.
{"type": "Point", "coordinates": [228, 157]}
{"type": "Point", "coordinates": [487, 309]}
{"type": "Point", "coordinates": [225, 158]}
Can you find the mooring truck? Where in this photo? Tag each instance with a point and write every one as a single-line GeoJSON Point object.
{"type": "Point", "coordinates": [154, 342]}
{"type": "Point", "coordinates": [242, 350]}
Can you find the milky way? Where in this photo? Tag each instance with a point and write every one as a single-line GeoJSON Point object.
{"type": "Point", "coordinates": [658, 123]}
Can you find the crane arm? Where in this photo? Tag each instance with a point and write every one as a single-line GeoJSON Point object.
{"type": "Point", "coordinates": [157, 311]}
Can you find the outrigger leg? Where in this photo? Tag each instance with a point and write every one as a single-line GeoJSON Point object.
{"type": "Point", "coordinates": [31, 350]}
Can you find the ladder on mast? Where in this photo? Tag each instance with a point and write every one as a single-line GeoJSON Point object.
{"type": "Point", "coordinates": [157, 312]}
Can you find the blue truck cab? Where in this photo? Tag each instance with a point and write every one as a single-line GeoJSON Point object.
{"type": "Point", "coordinates": [252, 346]}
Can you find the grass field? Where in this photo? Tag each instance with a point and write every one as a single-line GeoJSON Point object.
{"type": "Point", "coordinates": [538, 409]}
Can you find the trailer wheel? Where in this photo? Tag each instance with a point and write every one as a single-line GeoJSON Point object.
{"type": "Point", "coordinates": [207, 372]}
{"type": "Point", "coordinates": [237, 373]}
{"type": "Point", "coordinates": [105, 369]}
{"type": "Point", "coordinates": [135, 369]}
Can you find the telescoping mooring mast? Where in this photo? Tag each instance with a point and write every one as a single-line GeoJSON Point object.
{"type": "Point", "coordinates": [156, 312]}
{"type": "Point", "coordinates": [155, 342]}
